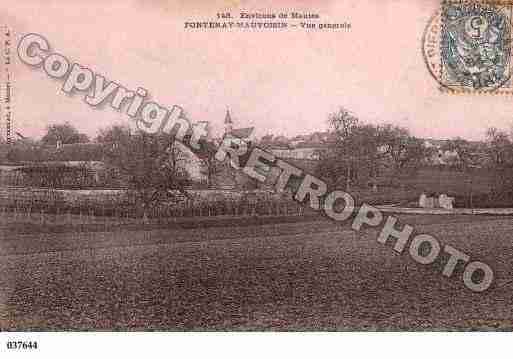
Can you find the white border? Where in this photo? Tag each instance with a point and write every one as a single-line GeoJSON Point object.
{"type": "Point", "coordinates": [260, 345]}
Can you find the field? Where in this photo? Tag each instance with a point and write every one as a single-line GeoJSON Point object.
{"type": "Point", "coordinates": [451, 181]}
{"type": "Point", "coordinates": [308, 275]}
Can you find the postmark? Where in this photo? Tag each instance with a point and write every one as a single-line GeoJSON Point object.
{"type": "Point", "coordinates": [467, 47]}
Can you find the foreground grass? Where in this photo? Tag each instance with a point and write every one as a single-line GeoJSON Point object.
{"type": "Point", "coordinates": [290, 276]}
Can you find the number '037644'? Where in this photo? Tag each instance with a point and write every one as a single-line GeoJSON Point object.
{"type": "Point", "coordinates": [20, 345]}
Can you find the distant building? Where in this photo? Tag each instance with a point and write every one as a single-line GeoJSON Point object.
{"type": "Point", "coordinates": [300, 153]}
{"type": "Point", "coordinates": [247, 133]}
{"type": "Point", "coordinates": [440, 155]}
{"type": "Point", "coordinates": [303, 147]}
{"type": "Point", "coordinates": [226, 177]}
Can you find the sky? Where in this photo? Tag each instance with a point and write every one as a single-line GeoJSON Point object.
{"type": "Point", "coordinates": [283, 82]}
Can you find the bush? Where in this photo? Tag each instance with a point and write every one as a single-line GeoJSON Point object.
{"type": "Point", "coordinates": [486, 200]}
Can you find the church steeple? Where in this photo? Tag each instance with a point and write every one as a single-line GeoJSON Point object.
{"type": "Point", "coordinates": [228, 123]}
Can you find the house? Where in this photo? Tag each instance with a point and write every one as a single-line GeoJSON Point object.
{"type": "Point", "coordinates": [299, 153]}
{"type": "Point", "coordinates": [301, 147]}
{"type": "Point", "coordinates": [79, 164]}
{"type": "Point", "coordinates": [225, 177]}
{"type": "Point", "coordinates": [247, 133]}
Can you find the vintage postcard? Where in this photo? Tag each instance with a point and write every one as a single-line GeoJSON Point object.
{"type": "Point", "coordinates": [239, 165]}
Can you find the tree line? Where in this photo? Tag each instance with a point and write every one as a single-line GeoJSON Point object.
{"type": "Point", "coordinates": [358, 153]}
{"type": "Point", "coordinates": [364, 154]}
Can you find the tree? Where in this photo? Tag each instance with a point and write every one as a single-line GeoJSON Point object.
{"type": "Point", "coordinates": [267, 139]}
{"type": "Point", "coordinates": [113, 134]}
{"type": "Point", "coordinates": [404, 152]}
{"type": "Point", "coordinates": [499, 147]}
{"type": "Point", "coordinates": [467, 159]}
{"type": "Point", "coordinates": [342, 123]}
{"type": "Point", "coordinates": [337, 164]}
{"type": "Point", "coordinates": [151, 165]}
{"type": "Point", "coordinates": [352, 151]}
{"type": "Point", "coordinates": [65, 133]}
{"type": "Point", "coordinates": [360, 152]}
{"type": "Point", "coordinates": [466, 152]}
{"type": "Point", "coordinates": [212, 167]}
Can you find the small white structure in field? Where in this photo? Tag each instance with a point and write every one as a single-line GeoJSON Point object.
{"type": "Point", "coordinates": [442, 201]}
{"type": "Point", "coordinates": [422, 200]}
{"type": "Point", "coordinates": [427, 202]}
{"type": "Point", "coordinates": [446, 202]}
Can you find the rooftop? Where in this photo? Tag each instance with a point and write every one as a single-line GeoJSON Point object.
{"type": "Point", "coordinates": [242, 132]}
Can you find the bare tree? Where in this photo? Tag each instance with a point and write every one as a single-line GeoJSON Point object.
{"type": "Point", "coordinates": [64, 133]}
{"type": "Point", "coordinates": [359, 152]}
{"type": "Point", "coordinates": [338, 162]}
{"type": "Point", "coordinates": [499, 147]}
{"type": "Point", "coordinates": [150, 165]}
{"type": "Point", "coordinates": [500, 153]}
{"type": "Point", "coordinates": [113, 135]}
{"type": "Point", "coordinates": [212, 167]}
{"type": "Point", "coordinates": [404, 152]}
{"type": "Point", "coordinates": [467, 160]}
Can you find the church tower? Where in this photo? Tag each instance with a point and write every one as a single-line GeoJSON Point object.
{"type": "Point", "coordinates": [228, 122]}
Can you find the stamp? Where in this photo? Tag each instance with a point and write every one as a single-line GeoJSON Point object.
{"type": "Point", "coordinates": [467, 47]}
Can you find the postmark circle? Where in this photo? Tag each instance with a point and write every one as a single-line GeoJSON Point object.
{"type": "Point", "coordinates": [467, 47]}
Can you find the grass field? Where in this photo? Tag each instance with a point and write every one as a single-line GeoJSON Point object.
{"type": "Point", "coordinates": [313, 275]}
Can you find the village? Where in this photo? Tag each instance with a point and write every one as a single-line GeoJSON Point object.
{"type": "Point", "coordinates": [430, 181]}
{"type": "Point", "coordinates": [144, 210]}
